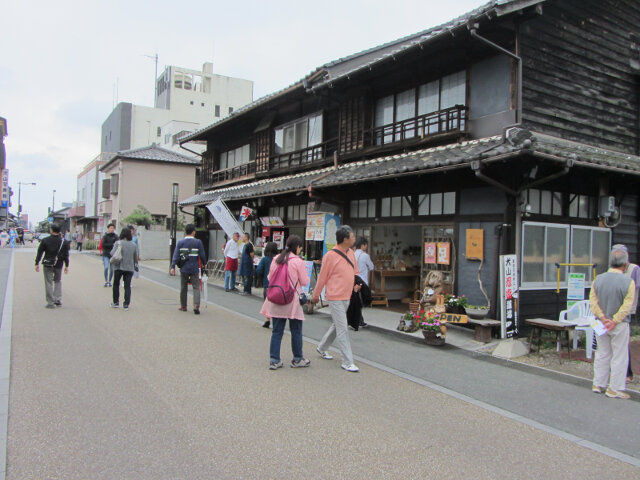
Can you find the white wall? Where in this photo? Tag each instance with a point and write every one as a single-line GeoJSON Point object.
{"type": "Point", "coordinates": [144, 125]}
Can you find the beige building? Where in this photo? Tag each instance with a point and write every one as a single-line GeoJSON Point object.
{"type": "Point", "coordinates": [144, 176]}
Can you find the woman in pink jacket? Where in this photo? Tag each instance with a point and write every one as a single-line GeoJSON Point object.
{"type": "Point", "coordinates": [292, 311]}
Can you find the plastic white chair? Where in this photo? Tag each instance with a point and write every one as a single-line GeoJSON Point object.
{"type": "Point", "coordinates": [580, 315]}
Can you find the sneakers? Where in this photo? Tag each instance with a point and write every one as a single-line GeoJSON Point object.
{"type": "Point", "coordinates": [619, 394]}
{"type": "Point", "coordinates": [596, 389]}
{"type": "Point", "coordinates": [350, 367]}
{"type": "Point", "coordinates": [182, 309]}
{"type": "Point", "coordinates": [115, 305]}
{"type": "Point", "coordinates": [196, 310]}
{"type": "Point", "coordinates": [303, 362]}
{"type": "Point", "coordinates": [274, 365]}
{"type": "Point", "coordinates": [109, 284]}
{"type": "Point", "coordinates": [125, 308]}
{"type": "Point", "coordinates": [324, 354]}
{"type": "Point", "coordinates": [106, 284]}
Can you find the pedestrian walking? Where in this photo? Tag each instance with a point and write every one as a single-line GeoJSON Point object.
{"type": "Point", "coordinates": [53, 251]}
{"type": "Point", "coordinates": [611, 297]}
{"type": "Point", "coordinates": [633, 272]}
{"type": "Point", "coordinates": [79, 240]}
{"type": "Point", "coordinates": [246, 264]}
{"type": "Point", "coordinates": [339, 268]}
{"type": "Point", "coordinates": [20, 232]}
{"type": "Point", "coordinates": [124, 268]}
{"type": "Point", "coordinates": [296, 277]}
{"type": "Point", "coordinates": [365, 265]}
{"type": "Point", "coordinates": [231, 252]}
{"type": "Point", "coordinates": [270, 251]}
{"type": "Point", "coordinates": [134, 239]}
{"type": "Point", "coordinates": [106, 245]}
{"type": "Point", "coordinates": [187, 255]}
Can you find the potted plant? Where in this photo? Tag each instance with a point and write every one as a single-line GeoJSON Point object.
{"type": "Point", "coordinates": [408, 322]}
{"type": "Point", "coordinates": [455, 304]}
{"type": "Point", "coordinates": [477, 312]}
{"type": "Point", "coordinates": [433, 331]}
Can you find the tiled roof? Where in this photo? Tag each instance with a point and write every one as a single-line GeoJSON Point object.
{"type": "Point", "coordinates": [457, 155]}
{"type": "Point", "coordinates": [345, 66]}
{"type": "Point", "coordinates": [153, 153]}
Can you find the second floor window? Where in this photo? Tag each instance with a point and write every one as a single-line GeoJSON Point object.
{"type": "Point", "coordinates": [405, 106]}
{"type": "Point", "coordinates": [298, 135]}
{"type": "Point", "coordinates": [235, 157]}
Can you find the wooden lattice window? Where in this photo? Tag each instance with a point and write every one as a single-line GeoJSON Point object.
{"type": "Point", "coordinates": [208, 168]}
{"type": "Point", "coordinates": [263, 150]}
{"type": "Point", "coordinates": [351, 133]}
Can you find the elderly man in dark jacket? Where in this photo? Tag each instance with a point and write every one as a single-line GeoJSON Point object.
{"type": "Point", "coordinates": [56, 254]}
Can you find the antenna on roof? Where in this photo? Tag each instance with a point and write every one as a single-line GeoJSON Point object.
{"type": "Point", "coordinates": [155, 79]}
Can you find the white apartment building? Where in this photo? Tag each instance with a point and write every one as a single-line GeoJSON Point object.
{"type": "Point", "coordinates": [83, 214]}
{"type": "Point", "coordinates": [186, 100]}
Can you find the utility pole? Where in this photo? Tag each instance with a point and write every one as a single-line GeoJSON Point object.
{"type": "Point", "coordinates": [19, 188]}
{"type": "Point", "coordinates": [53, 202]}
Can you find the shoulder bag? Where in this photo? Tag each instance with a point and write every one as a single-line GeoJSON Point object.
{"type": "Point", "coordinates": [51, 262]}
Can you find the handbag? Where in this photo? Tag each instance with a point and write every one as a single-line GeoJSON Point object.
{"type": "Point", "coordinates": [51, 262]}
{"type": "Point", "coordinates": [116, 254]}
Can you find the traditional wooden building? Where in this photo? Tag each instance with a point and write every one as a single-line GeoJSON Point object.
{"type": "Point", "coordinates": [520, 119]}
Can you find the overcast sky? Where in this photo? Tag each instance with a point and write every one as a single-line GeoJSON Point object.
{"type": "Point", "coordinates": [60, 61]}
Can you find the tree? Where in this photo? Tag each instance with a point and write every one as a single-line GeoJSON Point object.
{"type": "Point", "coordinates": [139, 216]}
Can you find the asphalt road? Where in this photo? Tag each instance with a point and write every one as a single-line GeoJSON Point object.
{"type": "Point", "coordinates": [161, 394]}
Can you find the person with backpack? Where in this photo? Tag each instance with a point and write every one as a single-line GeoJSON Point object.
{"type": "Point", "coordinates": [339, 268]}
{"type": "Point", "coordinates": [186, 256]}
{"type": "Point", "coordinates": [270, 251]}
{"type": "Point", "coordinates": [107, 242]}
{"type": "Point", "coordinates": [56, 254]}
{"type": "Point", "coordinates": [287, 275]}
{"type": "Point", "coordinates": [124, 258]}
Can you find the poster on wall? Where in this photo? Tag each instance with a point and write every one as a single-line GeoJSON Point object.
{"type": "Point", "coordinates": [509, 295]}
{"type": "Point", "coordinates": [430, 253]}
{"type": "Point", "coordinates": [444, 253]}
{"type": "Point", "coordinates": [278, 238]}
{"type": "Point", "coordinates": [475, 243]}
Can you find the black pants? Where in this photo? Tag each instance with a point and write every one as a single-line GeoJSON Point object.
{"type": "Point", "coordinates": [248, 282]}
{"type": "Point", "coordinates": [126, 276]}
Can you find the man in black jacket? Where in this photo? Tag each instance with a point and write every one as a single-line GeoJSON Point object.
{"type": "Point", "coordinates": [56, 253]}
{"type": "Point", "coordinates": [108, 241]}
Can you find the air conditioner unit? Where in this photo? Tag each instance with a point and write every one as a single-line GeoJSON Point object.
{"type": "Point", "coordinates": [606, 206]}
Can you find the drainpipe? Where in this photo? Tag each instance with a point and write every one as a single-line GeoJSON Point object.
{"type": "Point", "coordinates": [474, 33]}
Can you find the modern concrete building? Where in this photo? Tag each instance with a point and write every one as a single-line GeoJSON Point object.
{"type": "Point", "coordinates": [144, 176]}
{"type": "Point", "coordinates": [185, 101]}
{"type": "Point", "coordinates": [84, 212]}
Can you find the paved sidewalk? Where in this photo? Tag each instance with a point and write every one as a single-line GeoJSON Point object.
{"type": "Point", "coordinates": [160, 394]}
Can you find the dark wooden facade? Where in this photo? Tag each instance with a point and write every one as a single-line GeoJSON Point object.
{"type": "Point", "coordinates": [578, 83]}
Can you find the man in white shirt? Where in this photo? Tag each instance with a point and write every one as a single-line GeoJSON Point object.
{"type": "Point", "coordinates": [231, 252]}
{"type": "Point", "coordinates": [365, 265]}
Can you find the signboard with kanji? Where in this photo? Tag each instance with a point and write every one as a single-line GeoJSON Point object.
{"type": "Point", "coordinates": [509, 295]}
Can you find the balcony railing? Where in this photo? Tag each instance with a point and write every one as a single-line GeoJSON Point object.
{"type": "Point", "coordinates": [306, 156]}
{"type": "Point", "coordinates": [450, 120]}
{"type": "Point", "coordinates": [239, 171]}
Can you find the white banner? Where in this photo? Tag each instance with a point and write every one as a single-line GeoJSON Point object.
{"type": "Point", "coordinates": [224, 218]}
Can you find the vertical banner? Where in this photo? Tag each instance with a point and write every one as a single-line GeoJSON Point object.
{"type": "Point", "coordinates": [5, 188]}
{"type": "Point", "coordinates": [509, 295]}
{"type": "Point", "coordinates": [224, 218]}
{"type": "Point", "coordinates": [575, 288]}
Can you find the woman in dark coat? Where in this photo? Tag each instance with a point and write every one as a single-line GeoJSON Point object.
{"type": "Point", "coordinates": [270, 251]}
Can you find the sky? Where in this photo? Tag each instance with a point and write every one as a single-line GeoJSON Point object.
{"type": "Point", "coordinates": [60, 63]}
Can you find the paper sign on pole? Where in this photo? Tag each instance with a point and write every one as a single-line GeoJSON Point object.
{"type": "Point", "coordinates": [224, 218]}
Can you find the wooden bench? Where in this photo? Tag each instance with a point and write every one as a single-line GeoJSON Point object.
{"type": "Point", "coordinates": [379, 299]}
{"type": "Point", "coordinates": [538, 325]}
{"type": "Point", "coordinates": [483, 329]}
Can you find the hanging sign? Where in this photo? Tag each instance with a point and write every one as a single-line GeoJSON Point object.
{"type": "Point", "coordinates": [224, 218]}
{"type": "Point", "coordinates": [430, 253]}
{"type": "Point", "coordinates": [509, 295]}
{"type": "Point", "coordinates": [245, 212]}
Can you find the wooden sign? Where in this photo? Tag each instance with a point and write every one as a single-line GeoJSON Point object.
{"type": "Point", "coordinates": [444, 253]}
{"type": "Point", "coordinates": [475, 244]}
{"type": "Point", "coordinates": [453, 318]}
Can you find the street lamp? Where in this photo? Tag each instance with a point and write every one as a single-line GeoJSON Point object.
{"type": "Point", "coordinates": [53, 202]}
{"type": "Point", "coordinates": [19, 188]}
{"type": "Point", "coordinates": [174, 218]}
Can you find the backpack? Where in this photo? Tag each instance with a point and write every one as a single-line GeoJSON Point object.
{"type": "Point", "coordinates": [280, 291]}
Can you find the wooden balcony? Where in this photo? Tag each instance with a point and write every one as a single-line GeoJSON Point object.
{"type": "Point", "coordinates": [316, 155]}
{"type": "Point", "coordinates": [228, 175]}
{"type": "Point", "coordinates": [452, 120]}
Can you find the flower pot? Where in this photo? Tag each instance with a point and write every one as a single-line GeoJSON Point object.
{"type": "Point", "coordinates": [477, 313]}
{"type": "Point", "coordinates": [433, 338]}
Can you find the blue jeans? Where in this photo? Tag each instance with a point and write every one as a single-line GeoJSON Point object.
{"type": "Point", "coordinates": [108, 269]}
{"type": "Point", "coordinates": [229, 279]}
{"type": "Point", "coordinates": [295, 326]}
